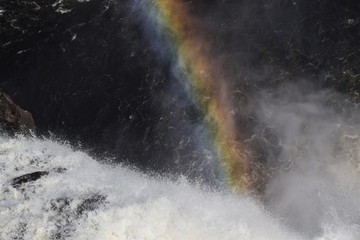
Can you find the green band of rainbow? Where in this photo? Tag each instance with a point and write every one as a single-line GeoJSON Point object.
{"type": "Point", "coordinates": [205, 83]}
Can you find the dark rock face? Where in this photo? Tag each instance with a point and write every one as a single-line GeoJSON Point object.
{"type": "Point", "coordinates": [86, 70]}
{"type": "Point", "coordinates": [13, 118]}
{"type": "Point", "coordinates": [86, 73]}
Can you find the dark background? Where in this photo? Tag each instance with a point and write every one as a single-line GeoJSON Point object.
{"type": "Point", "coordinates": [88, 73]}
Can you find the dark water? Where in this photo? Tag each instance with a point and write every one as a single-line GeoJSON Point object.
{"type": "Point", "coordinates": [87, 71]}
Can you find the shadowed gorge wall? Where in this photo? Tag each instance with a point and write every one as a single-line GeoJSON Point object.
{"type": "Point", "coordinates": [86, 70]}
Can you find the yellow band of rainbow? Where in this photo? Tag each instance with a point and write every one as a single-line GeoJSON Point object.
{"type": "Point", "coordinates": [206, 84]}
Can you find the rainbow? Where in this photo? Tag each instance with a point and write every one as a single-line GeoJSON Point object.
{"type": "Point", "coordinates": [204, 83]}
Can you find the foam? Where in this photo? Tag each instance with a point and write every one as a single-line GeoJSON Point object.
{"type": "Point", "coordinates": [136, 206]}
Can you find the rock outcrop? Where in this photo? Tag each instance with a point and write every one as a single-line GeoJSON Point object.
{"type": "Point", "coordinates": [30, 177]}
{"type": "Point", "coordinates": [13, 118]}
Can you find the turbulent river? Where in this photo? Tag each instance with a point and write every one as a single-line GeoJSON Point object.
{"type": "Point", "coordinates": [134, 206]}
{"type": "Point", "coordinates": [175, 105]}
{"type": "Point", "coordinates": [75, 196]}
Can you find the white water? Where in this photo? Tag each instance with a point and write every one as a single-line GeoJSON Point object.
{"type": "Point", "coordinates": [136, 206]}
{"type": "Point", "coordinates": [317, 198]}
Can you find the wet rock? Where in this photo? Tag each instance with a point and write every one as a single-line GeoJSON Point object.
{"type": "Point", "coordinates": [90, 204]}
{"type": "Point", "coordinates": [13, 118]}
{"type": "Point", "coordinates": [60, 205]}
{"type": "Point", "coordinates": [30, 177]}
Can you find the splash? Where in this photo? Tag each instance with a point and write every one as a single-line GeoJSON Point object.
{"type": "Point", "coordinates": [90, 200]}
{"type": "Point", "coordinates": [205, 84]}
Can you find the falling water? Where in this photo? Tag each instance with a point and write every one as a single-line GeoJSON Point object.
{"type": "Point", "coordinates": [50, 189]}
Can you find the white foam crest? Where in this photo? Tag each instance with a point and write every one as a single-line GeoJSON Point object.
{"type": "Point", "coordinates": [123, 204]}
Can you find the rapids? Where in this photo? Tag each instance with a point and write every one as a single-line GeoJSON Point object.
{"type": "Point", "coordinates": [92, 200]}
{"type": "Point", "coordinates": [136, 79]}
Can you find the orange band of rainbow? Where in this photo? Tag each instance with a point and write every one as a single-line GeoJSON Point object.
{"type": "Point", "coordinates": [206, 84]}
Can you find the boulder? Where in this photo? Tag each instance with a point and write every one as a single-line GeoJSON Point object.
{"type": "Point", "coordinates": [30, 177]}
{"type": "Point", "coordinates": [13, 118]}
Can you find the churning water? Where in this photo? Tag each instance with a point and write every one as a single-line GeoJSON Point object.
{"type": "Point", "coordinates": [73, 196]}
{"type": "Point", "coordinates": [89, 200]}
{"type": "Point", "coordinates": [49, 190]}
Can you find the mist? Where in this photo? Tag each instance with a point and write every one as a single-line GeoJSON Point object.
{"type": "Point", "coordinates": [314, 178]}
